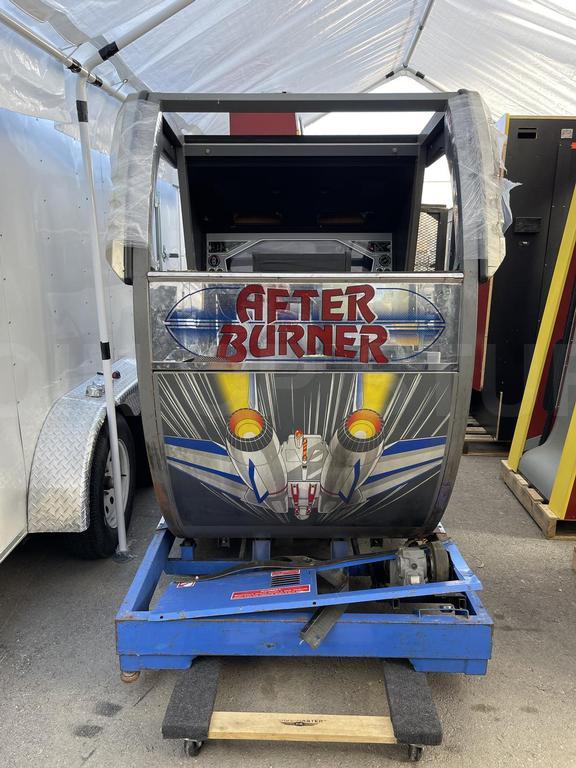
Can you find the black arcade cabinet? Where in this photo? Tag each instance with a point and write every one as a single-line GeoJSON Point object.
{"type": "Point", "coordinates": [540, 154]}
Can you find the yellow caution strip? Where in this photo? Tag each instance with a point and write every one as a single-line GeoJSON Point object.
{"type": "Point", "coordinates": [544, 337]}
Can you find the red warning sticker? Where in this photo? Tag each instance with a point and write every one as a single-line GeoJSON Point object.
{"type": "Point", "coordinates": [185, 584]}
{"type": "Point", "coordinates": [247, 594]}
{"type": "Point", "coordinates": [293, 572]}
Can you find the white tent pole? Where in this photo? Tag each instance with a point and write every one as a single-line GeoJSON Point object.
{"type": "Point", "coordinates": [417, 32]}
{"type": "Point", "coordinates": [133, 33]}
{"type": "Point", "coordinates": [98, 277]}
{"type": "Point", "coordinates": [142, 27]}
{"type": "Point", "coordinates": [138, 30]}
{"type": "Point", "coordinates": [68, 61]}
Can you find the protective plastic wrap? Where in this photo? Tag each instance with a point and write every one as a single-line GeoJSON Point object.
{"type": "Point", "coordinates": [478, 188]}
{"type": "Point", "coordinates": [132, 163]}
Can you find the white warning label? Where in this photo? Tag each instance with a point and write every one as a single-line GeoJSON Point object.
{"type": "Point", "coordinates": [247, 594]}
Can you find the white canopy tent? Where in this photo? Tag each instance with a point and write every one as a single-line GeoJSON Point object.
{"type": "Point", "coordinates": [519, 54]}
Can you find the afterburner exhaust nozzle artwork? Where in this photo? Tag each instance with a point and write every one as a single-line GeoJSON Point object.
{"type": "Point", "coordinates": [254, 450]}
{"type": "Point", "coordinates": [353, 453]}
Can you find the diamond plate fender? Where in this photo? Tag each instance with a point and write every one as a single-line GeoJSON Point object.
{"type": "Point", "coordinates": [58, 493]}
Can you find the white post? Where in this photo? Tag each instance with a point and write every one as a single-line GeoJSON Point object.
{"type": "Point", "coordinates": [98, 275]}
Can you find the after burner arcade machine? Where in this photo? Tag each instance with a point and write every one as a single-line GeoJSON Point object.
{"type": "Point", "coordinates": [304, 395]}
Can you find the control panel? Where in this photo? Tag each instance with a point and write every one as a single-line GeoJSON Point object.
{"type": "Point", "coordinates": [299, 253]}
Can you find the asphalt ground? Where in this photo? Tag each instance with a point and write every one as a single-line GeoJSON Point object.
{"type": "Point", "coordinates": [62, 702]}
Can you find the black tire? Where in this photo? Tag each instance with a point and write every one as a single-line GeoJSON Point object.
{"type": "Point", "coordinates": [101, 539]}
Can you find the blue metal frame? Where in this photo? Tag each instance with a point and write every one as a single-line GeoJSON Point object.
{"type": "Point", "coordinates": [203, 619]}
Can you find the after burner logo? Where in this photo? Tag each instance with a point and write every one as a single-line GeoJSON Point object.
{"type": "Point", "coordinates": [348, 323]}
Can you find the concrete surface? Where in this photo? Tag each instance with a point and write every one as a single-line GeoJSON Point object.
{"type": "Point", "coordinates": [62, 702]}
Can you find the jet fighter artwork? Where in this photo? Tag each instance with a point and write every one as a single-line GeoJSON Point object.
{"type": "Point", "coordinates": [305, 402]}
{"type": "Point", "coordinates": [305, 475]}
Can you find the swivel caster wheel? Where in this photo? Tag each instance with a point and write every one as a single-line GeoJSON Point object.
{"type": "Point", "coordinates": [129, 677]}
{"type": "Point", "coordinates": [192, 747]}
{"type": "Point", "coordinates": [415, 753]}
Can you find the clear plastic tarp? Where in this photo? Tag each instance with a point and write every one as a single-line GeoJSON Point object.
{"type": "Point", "coordinates": [34, 83]}
{"type": "Point", "coordinates": [518, 55]}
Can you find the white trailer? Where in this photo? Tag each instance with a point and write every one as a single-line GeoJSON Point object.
{"type": "Point", "coordinates": [55, 466]}
{"type": "Point", "coordinates": [66, 323]}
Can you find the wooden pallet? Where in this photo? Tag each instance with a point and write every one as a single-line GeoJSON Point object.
{"type": "Point", "coordinates": [551, 526]}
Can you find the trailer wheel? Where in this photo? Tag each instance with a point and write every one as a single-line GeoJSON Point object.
{"type": "Point", "coordinates": [101, 537]}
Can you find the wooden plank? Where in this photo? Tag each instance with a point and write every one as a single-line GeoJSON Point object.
{"type": "Point", "coordinates": [530, 500]}
{"type": "Point", "coordinates": [551, 526]}
{"type": "Point", "coordinates": [574, 559]}
{"type": "Point", "coordinates": [280, 726]}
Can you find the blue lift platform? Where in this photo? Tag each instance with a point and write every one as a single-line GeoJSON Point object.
{"type": "Point", "coordinates": [257, 605]}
